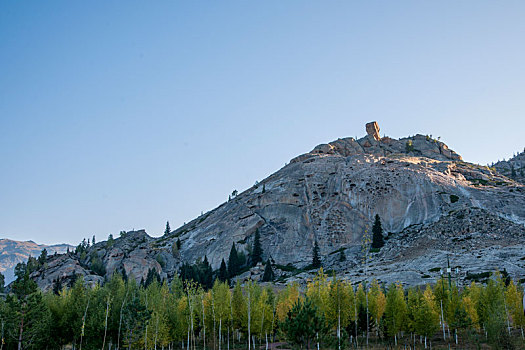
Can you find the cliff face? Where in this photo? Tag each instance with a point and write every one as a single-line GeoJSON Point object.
{"type": "Point", "coordinates": [426, 196]}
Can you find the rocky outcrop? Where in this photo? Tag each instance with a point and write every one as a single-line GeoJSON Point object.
{"type": "Point", "coordinates": [417, 146]}
{"type": "Point", "coordinates": [513, 168]}
{"type": "Point", "coordinates": [427, 198]}
{"type": "Point", "coordinates": [14, 252]}
{"type": "Point", "coordinates": [372, 129]}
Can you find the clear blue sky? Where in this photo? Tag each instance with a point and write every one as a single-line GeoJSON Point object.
{"type": "Point", "coordinates": [117, 115]}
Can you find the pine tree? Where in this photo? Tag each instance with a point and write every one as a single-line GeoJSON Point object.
{"type": "Point", "coordinates": [179, 243]}
{"type": "Point", "coordinates": [43, 257]}
{"type": "Point", "coordinates": [223, 272]}
{"type": "Point", "coordinates": [135, 316]}
{"type": "Point", "coordinates": [168, 229]}
{"type": "Point", "coordinates": [268, 274]}
{"type": "Point", "coordinates": [2, 282]}
{"type": "Point", "coordinates": [257, 252]}
{"type": "Point", "coordinates": [316, 258]}
{"type": "Point", "coordinates": [233, 262]}
{"type": "Point", "coordinates": [207, 274]}
{"type": "Point", "coordinates": [303, 323]}
{"type": "Point", "coordinates": [342, 256]}
{"type": "Point", "coordinates": [377, 234]}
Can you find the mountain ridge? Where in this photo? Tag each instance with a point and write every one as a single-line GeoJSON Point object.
{"type": "Point", "coordinates": [331, 195]}
{"type": "Point", "coordinates": [13, 252]}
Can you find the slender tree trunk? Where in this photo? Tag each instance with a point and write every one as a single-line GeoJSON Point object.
{"type": "Point", "coordinates": [203, 321]}
{"type": "Point", "coordinates": [120, 320]}
{"type": "Point", "coordinates": [231, 317]}
{"type": "Point", "coordinates": [213, 313]}
{"type": "Point", "coordinates": [146, 334]}
{"type": "Point", "coordinates": [105, 325]}
{"type": "Point", "coordinates": [355, 313]}
{"type": "Point", "coordinates": [83, 324]}
{"type": "Point", "coordinates": [367, 321]}
{"type": "Point", "coordinates": [156, 331]}
{"type": "Point", "coordinates": [339, 327]}
{"type": "Point", "coordinates": [2, 337]}
{"type": "Point", "coordinates": [249, 318]}
{"type": "Point", "coordinates": [21, 331]}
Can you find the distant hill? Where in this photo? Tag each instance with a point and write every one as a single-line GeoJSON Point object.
{"type": "Point", "coordinates": [14, 252]}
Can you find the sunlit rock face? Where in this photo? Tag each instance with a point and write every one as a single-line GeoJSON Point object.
{"type": "Point", "coordinates": [514, 168]}
{"type": "Point", "coordinates": [430, 202]}
{"type": "Point", "coordinates": [372, 129]}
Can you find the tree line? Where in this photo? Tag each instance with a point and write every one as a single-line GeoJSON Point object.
{"type": "Point", "coordinates": [328, 312]}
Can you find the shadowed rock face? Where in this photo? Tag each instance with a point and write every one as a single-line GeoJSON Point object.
{"type": "Point", "coordinates": [331, 194]}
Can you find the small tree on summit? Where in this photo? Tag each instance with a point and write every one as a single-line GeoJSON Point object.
{"type": "Point", "coordinates": [257, 252]}
{"type": "Point", "coordinates": [168, 229]}
{"type": "Point", "coordinates": [316, 259]}
{"type": "Point", "coordinates": [377, 234]}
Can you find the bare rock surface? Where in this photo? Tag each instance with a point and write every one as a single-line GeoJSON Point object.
{"type": "Point", "coordinates": [372, 129]}
{"type": "Point", "coordinates": [432, 205]}
{"type": "Point", "coordinates": [14, 252]}
{"type": "Point", "coordinates": [514, 168]}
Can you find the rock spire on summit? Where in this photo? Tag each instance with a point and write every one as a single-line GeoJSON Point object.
{"type": "Point", "coordinates": [372, 129]}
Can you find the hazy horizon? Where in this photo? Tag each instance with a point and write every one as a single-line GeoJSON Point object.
{"type": "Point", "coordinates": [122, 117]}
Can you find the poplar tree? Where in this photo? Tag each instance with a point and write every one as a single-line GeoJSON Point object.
{"type": "Point", "coordinates": [339, 311]}
{"type": "Point", "coordinates": [427, 315]}
{"type": "Point", "coordinates": [395, 311]}
{"type": "Point", "coordinates": [377, 303]}
{"type": "Point", "coordinates": [514, 301]}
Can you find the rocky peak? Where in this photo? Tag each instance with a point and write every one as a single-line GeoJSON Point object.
{"type": "Point", "coordinates": [418, 146]}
